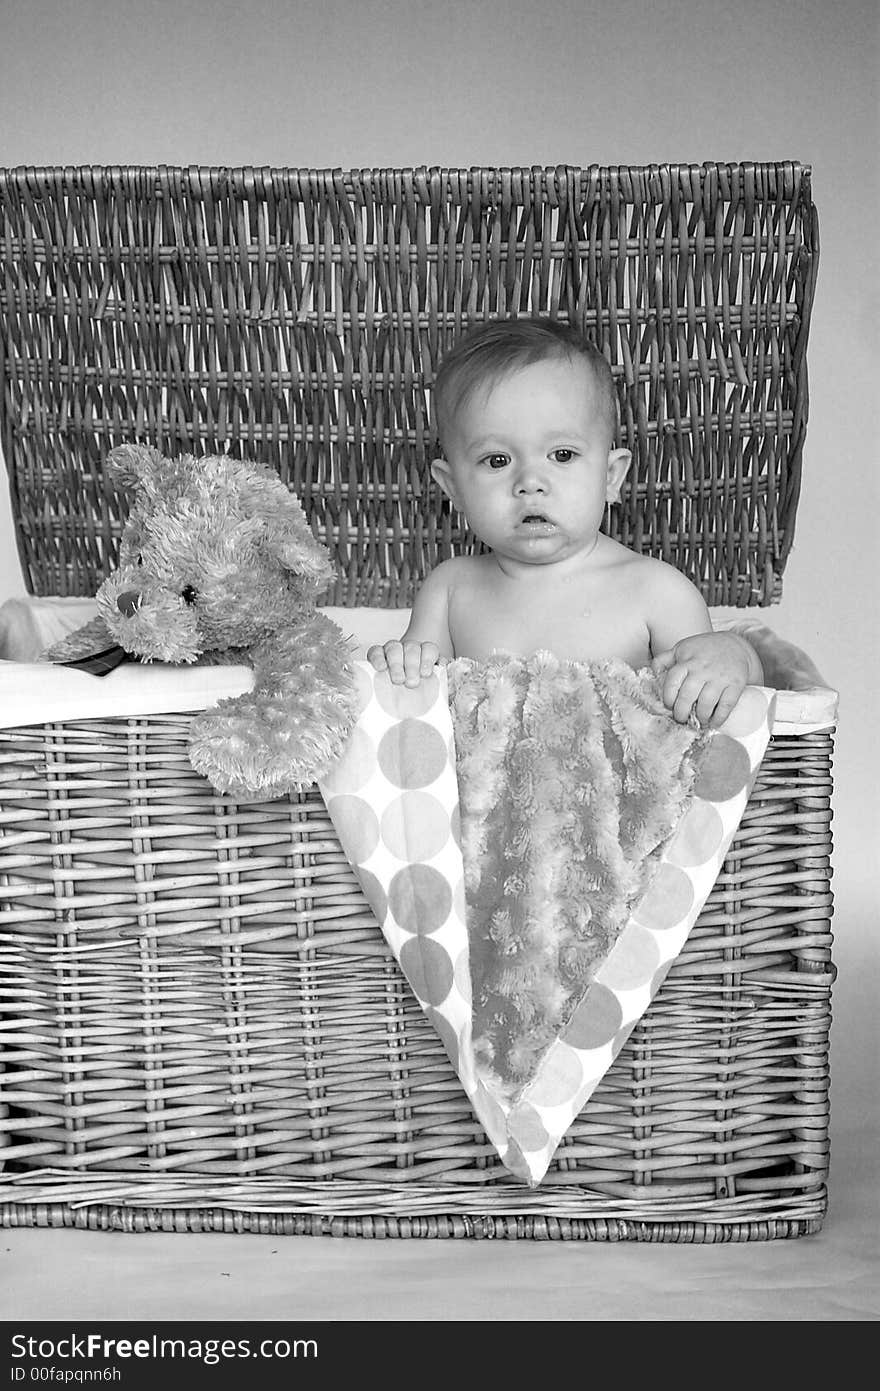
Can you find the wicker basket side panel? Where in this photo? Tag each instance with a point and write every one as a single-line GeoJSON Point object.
{"type": "Point", "coordinates": [299, 316]}
{"type": "Point", "coordinates": [192, 987]}
{"type": "Point", "coordinates": [229, 1063]}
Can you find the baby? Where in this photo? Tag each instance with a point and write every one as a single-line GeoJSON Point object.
{"type": "Point", "coordinates": [526, 414]}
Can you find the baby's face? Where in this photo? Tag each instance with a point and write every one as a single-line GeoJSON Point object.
{"type": "Point", "coordinates": [529, 463]}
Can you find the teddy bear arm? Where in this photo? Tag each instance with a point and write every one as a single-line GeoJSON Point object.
{"type": "Point", "coordinates": [292, 727]}
{"type": "Point", "coordinates": [261, 745]}
{"type": "Point", "coordinates": [93, 637]}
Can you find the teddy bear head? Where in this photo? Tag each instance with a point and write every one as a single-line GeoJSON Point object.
{"type": "Point", "coordinates": [216, 555]}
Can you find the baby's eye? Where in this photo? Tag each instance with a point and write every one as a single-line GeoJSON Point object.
{"type": "Point", "coordinates": [495, 461]}
{"type": "Point", "coordinates": [563, 456]}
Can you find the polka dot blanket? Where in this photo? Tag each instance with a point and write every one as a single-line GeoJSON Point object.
{"type": "Point", "coordinates": [536, 839]}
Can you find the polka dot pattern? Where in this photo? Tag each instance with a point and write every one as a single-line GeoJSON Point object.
{"type": "Point", "coordinates": [724, 771]}
{"type": "Point", "coordinates": [560, 1078]}
{"type": "Point", "coordinates": [447, 1034]}
{"type": "Point", "coordinates": [668, 899]}
{"type": "Point", "coordinates": [355, 819]}
{"type": "Point", "coordinates": [699, 836]}
{"type": "Point", "coordinates": [373, 891]}
{"type": "Point", "coordinates": [596, 1019]}
{"type": "Point", "coordinates": [748, 715]}
{"type": "Point", "coordinates": [659, 977]}
{"type": "Point", "coordinates": [527, 1129]}
{"type": "Point", "coordinates": [428, 969]}
{"type": "Point", "coordinates": [492, 1115]}
{"type": "Point", "coordinates": [393, 798]}
{"type": "Point", "coordinates": [412, 754]}
{"type": "Point", "coordinates": [415, 826]}
{"type": "Point", "coordinates": [419, 700]}
{"type": "Point", "coordinates": [420, 899]}
{"type": "Point", "coordinates": [633, 961]}
{"type": "Point", "coordinates": [461, 972]}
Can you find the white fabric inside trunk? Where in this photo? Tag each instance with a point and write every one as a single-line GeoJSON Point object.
{"type": "Point", "coordinates": [33, 692]}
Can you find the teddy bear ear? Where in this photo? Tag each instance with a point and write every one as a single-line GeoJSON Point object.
{"type": "Point", "coordinates": [129, 464]}
{"type": "Point", "coordinates": [290, 539]}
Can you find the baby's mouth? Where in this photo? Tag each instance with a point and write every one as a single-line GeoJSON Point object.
{"type": "Point", "coordinates": [536, 521]}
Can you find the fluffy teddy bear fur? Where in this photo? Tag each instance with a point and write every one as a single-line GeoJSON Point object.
{"type": "Point", "coordinates": [217, 564]}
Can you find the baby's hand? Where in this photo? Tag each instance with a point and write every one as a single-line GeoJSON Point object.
{"type": "Point", "coordinates": [407, 663]}
{"type": "Point", "coordinates": [706, 673]}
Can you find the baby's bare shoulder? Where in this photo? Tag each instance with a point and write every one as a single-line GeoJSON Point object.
{"type": "Point", "coordinates": [456, 576]}
{"type": "Point", "coordinates": [674, 608]}
{"type": "Point", "coordinates": [647, 571]}
{"type": "Point", "coordinates": [659, 591]}
{"type": "Point", "coordinates": [463, 571]}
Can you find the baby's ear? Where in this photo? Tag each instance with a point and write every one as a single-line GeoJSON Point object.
{"type": "Point", "coordinates": [619, 461]}
{"type": "Point", "coordinates": [129, 464]}
{"type": "Point", "coordinates": [441, 472]}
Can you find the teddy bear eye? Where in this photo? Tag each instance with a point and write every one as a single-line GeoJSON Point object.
{"type": "Point", "coordinates": [188, 594]}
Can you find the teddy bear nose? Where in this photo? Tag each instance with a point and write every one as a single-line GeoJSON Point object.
{"type": "Point", "coordinates": [128, 602]}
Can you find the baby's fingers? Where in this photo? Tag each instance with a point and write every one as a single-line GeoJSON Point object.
{"type": "Point", "coordinates": [430, 658]}
{"type": "Point", "coordinates": [672, 683]}
{"type": "Point", "coordinates": [664, 661]}
{"type": "Point", "coordinates": [407, 663]}
{"type": "Point", "coordinates": [376, 657]}
{"type": "Point", "coordinates": [706, 704]}
{"type": "Point", "coordinates": [724, 707]}
{"type": "Point", "coordinates": [681, 692]}
{"type": "Point", "coordinates": [412, 663]}
{"type": "Point", "coordinates": [394, 653]}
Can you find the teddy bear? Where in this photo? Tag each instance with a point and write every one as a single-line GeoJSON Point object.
{"type": "Point", "coordinates": [217, 564]}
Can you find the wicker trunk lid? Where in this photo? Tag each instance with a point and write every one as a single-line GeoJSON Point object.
{"type": "Point", "coordinates": [298, 317]}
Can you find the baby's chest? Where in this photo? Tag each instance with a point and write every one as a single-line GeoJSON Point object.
{"type": "Point", "coordinates": [573, 626]}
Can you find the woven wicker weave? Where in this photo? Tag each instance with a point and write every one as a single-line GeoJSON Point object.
{"type": "Point", "coordinates": [299, 316]}
{"type": "Point", "coordinates": [205, 1030]}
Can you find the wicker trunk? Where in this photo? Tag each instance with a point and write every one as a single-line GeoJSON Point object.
{"type": "Point", "coordinates": [205, 1030]}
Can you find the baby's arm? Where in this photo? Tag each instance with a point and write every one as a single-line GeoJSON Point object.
{"type": "Point", "coordinates": [411, 658]}
{"type": "Point", "coordinates": [702, 671]}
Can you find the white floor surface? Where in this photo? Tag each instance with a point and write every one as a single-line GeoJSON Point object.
{"type": "Point", "coordinates": [60, 1274]}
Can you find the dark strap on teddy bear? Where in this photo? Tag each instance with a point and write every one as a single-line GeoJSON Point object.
{"type": "Point", "coordinates": [100, 663]}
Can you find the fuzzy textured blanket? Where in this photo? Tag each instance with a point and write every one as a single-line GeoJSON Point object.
{"type": "Point", "coordinates": [571, 780]}
{"type": "Point", "coordinates": [536, 838]}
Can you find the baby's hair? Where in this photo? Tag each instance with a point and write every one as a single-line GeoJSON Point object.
{"type": "Point", "coordinates": [490, 351]}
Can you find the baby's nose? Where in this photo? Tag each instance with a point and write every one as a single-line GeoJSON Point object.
{"type": "Point", "coordinates": [531, 480]}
